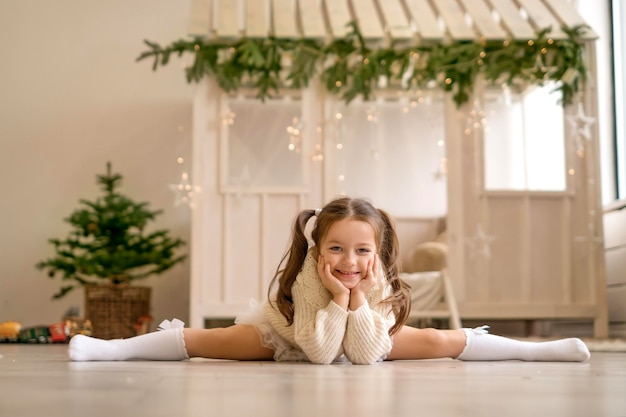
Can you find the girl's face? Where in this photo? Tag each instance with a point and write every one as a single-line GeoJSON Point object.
{"type": "Point", "coordinates": [348, 247]}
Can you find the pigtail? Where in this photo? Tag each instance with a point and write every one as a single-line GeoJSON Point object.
{"type": "Point", "coordinates": [389, 245]}
{"type": "Point", "coordinates": [293, 260]}
{"type": "Point", "coordinates": [390, 256]}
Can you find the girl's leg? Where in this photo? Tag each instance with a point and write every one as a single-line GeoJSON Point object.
{"type": "Point", "coordinates": [414, 343]}
{"type": "Point", "coordinates": [240, 342]}
{"type": "Point", "coordinates": [235, 342]}
{"type": "Point", "coordinates": [478, 345]}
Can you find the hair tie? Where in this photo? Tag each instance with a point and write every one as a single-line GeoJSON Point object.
{"type": "Point", "coordinates": [309, 226]}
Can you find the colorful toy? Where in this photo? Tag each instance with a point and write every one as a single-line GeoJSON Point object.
{"type": "Point", "coordinates": [35, 334]}
{"type": "Point", "coordinates": [78, 326]}
{"type": "Point", "coordinates": [10, 331]}
{"type": "Point", "coordinates": [13, 332]}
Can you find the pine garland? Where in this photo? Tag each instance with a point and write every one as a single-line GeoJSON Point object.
{"type": "Point", "coordinates": [350, 69]}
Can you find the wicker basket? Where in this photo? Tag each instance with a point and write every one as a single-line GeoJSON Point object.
{"type": "Point", "coordinates": [114, 310]}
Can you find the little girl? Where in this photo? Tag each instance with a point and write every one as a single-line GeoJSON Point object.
{"type": "Point", "coordinates": [338, 297]}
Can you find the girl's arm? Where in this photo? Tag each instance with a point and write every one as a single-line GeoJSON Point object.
{"type": "Point", "coordinates": [318, 331]}
{"type": "Point", "coordinates": [367, 337]}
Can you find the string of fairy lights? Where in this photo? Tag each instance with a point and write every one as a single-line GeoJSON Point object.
{"type": "Point", "coordinates": [185, 191]}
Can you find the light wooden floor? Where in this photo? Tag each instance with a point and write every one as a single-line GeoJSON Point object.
{"type": "Point", "coordinates": [38, 380]}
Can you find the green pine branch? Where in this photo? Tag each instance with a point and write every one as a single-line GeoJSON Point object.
{"type": "Point", "coordinates": [349, 68]}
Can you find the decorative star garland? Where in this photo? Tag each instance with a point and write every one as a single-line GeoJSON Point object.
{"type": "Point", "coordinates": [350, 68]}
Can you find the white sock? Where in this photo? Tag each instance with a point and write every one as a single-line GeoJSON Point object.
{"type": "Point", "coordinates": [481, 346]}
{"type": "Point", "coordinates": [163, 345]}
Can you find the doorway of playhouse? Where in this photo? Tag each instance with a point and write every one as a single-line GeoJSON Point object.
{"type": "Point", "coordinates": [392, 151]}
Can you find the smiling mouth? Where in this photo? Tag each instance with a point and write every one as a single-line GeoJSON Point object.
{"type": "Point", "coordinates": [347, 273]}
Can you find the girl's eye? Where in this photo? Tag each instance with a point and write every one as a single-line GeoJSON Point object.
{"type": "Point", "coordinates": [334, 248]}
{"type": "Point", "coordinates": [363, 250]}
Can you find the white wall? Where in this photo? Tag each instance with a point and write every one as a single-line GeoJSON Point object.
{"type": "Point", "coordinates": [71, 98]}
{"type": "Point", "coordinates": [597, 15]}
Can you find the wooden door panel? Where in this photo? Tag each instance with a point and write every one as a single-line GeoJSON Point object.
{"type": "Point", "coordinates": [547, 246]}
{"type": "Point", "coordinates": [506, 265]}
{"type": "Point", "coordinates": [241, 237]}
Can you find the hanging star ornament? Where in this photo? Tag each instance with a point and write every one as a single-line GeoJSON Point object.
{"type": "Point", "coordinates": [540, 70]}
{"type": "Point", "coordinates": [476, 118]}
{"type": "Point", "coordinates": [442, 170]}
{"type": "Point", "coordinates": [581, 123]}
{"type": "Point", "coordinates": [294, 130]}
{"type": "Point", "coordinates": [184, 191]}
{"type": "Point", "coordinates": [480, 243]}
{"type": "Point", "coordinates": [242, 183]}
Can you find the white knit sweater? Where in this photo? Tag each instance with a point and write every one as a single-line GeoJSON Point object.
{"type": "Point", "coordinates": [324, 331]}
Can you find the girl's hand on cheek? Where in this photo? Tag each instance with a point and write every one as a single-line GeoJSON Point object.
{"type": "Point", "coordinates": [329, 281]}
{"type": "Point", "coordinates": [371, 279]}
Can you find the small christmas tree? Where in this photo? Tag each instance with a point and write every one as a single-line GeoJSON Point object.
{"type": "Point", "coordinates": [108, 244]}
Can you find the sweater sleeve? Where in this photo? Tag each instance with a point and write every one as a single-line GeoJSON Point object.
{"type": "Point", "coordinates": [319, 332]}
{"type": "Point", "coordinates": [367, 337]}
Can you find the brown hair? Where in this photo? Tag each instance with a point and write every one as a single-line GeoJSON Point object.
{"type": "Point", "coordinates": [386, 243]}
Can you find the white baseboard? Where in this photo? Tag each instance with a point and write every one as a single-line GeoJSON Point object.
{"type": "Point", "coordinates": [617, 330]}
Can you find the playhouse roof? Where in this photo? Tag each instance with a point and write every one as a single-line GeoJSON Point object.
{"type": "Point", "coordinates": [384, 20]}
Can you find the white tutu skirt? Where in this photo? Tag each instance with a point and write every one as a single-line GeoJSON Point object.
{"type": "Point", "coordinates": [283, 350]}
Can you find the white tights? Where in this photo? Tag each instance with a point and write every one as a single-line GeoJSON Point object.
{"type": "Point", "coordinates": [481, 346]}
{"type": "Point", "coordinates": [168, 344]}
